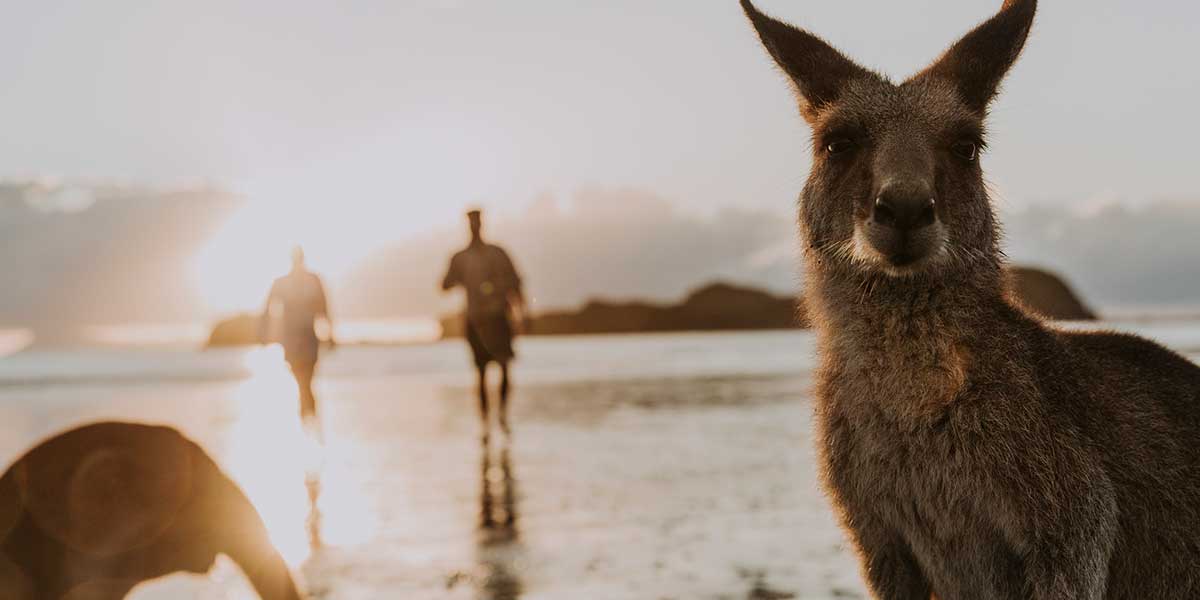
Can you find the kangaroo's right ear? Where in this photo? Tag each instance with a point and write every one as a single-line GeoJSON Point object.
{"type": "Point", "coordinates": [819, 72]}
{"type": "Point", "coordinates": [978, 62]}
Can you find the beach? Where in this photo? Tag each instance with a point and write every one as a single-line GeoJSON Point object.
{"type": "Point", "coordinates": [641, 466]}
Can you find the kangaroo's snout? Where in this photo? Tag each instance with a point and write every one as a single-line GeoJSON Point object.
{"type": "Point", "coordinates": [903, 225]}
{"type": "Point", "coordinates": [905, 206]}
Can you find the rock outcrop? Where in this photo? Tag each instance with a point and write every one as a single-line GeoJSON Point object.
{"type": "Point", "coordinates": [238, 330]}
{"type": "Point", "coordinates": [1046, 294]}
{"type": "Point", "coordinates": [714, 307]}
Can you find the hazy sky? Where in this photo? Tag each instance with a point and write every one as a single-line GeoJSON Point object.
{"type": "Point", "coordinates": [425, 106]}
{"type": "Point", "coordinates": [353, 127]}
{"type": "Point", "coordinates": [350, 127]}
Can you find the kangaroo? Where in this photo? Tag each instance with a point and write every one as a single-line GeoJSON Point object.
{"type": "Point", "coordinates": [971, 450]}
{"type": "Point", "coordinates": [91, 513]}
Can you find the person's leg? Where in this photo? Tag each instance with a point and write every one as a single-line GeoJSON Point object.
{"type": "Point", "coordinates": [504, 397]}
{"type": "Point", "coordinates": [486, 499]}
{"type": "Point", "coordinates": [304, 378]}
{"type": "Point", "coordinates": [483, 397]}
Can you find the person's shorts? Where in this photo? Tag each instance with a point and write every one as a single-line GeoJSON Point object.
{"type": "Point", "coordinates": [300, 350]}
{"type": "Point", "coordinates": [490, 337]}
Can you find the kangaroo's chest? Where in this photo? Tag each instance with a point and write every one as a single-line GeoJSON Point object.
{"type": "Point", "coordinates": [901, 449]}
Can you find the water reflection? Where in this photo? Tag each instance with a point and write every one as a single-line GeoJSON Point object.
{"type": "Point", "coordinates": [307, 485]}
{"type": "Point", "coordinates": [498, 542]}
{"type": "Point", "coordinates": [313, 523]}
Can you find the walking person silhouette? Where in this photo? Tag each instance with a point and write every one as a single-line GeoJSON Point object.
{"type": "Point", "coordinates": [493, 290]}
{"type": "Point", "coordinates": [299, 299]}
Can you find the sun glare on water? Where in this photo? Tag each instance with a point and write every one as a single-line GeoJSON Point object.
{"type": "Point", "coordinates": [277, 460]}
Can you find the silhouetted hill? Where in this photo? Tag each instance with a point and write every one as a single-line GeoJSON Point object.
{"type": "Point", "coordinates": [1048, 295]}
{"type": "Point", "coordinates": [714, 307]}
{"type": "Point", "coordinates": [238, 330]}
{"type": "Point", "coordinates": [717, 306]}
{"type": "Point", "coordinates": [721, 306]}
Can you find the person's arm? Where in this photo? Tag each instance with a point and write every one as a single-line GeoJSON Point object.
{"type": "Point", "coordinates": [452, 277]}
{"type": "Point", "coordinates": [517, 297]}
{"type": "Point", "coordinates": [516, 292]}
{"type": "Point", "coordinates": [264, 320]}
{"type": "Point", "coordinates": [323, 311]}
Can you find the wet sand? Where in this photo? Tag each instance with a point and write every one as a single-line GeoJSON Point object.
{"type": "Point", "coordinates": [621, 480]}
{"type": "Point", "coordinates": [641, 467]}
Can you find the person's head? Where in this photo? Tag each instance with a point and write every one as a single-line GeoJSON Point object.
{"type": "Point", "coordinates": [297, 258]}
{"type": "Point", "coordinates": [474, 217]}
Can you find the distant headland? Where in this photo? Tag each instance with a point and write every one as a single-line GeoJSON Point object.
{"type": "Point", "coordinates": [1048, 295]}
{"type": "Point", "coordinates": [238, 330]}
{"type": "Point", "coordinates": [713, 307]}
{"type": "Point", "coordinates": [723, 307]}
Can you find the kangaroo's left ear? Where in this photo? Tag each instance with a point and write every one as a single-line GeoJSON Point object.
{"type": "Point", "coordinates": [978, 62]}
{"type": "Point", "coordinates": [819, 72]}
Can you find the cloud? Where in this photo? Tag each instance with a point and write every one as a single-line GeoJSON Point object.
{"type": "Point", "coordinates": [606, 242]}
{"type": "Point", "coordinates": [51, 196]}
{"type": "Point", "coordinates": [1115, 255]}
{"type": "Point", "coordinates": [91, 254]}
{"type": "Point", "coordinates": [623, 243]}
{"type": "Point", "coordinates": [125, 255]}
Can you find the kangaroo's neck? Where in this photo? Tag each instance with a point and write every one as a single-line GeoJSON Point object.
{"type": "Point", "coordinates": [905, 343]}
{"type": "Point", "coordinates": [847, 298]}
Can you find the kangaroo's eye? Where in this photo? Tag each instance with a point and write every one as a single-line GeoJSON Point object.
{"type": "Point", "coordinates": [966, 150]}
{"type": "Point", "coordinates": [839, 146]}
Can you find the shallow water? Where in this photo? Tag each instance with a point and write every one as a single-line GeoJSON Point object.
{"type": "Point", "coordinates": [674, 466]}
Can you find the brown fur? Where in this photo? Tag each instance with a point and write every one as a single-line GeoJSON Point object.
{"type": "Point", "coordinates": [90, 513]}
{"type": "Point", "coordinates": [973, 451]}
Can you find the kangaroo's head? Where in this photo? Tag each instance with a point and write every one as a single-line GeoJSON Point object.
{"type": "Point", "coordinates": [896, 187]}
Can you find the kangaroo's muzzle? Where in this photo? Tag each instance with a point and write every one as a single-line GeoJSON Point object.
{"type": "Point", "coordinates": [903, 226]}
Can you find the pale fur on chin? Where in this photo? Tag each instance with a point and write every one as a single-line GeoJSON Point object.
{"type": "Point", "coordinates": [862, 252]}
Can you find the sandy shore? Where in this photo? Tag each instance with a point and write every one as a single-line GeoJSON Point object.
{"type": "Point", "coordinates": [641, 467]}
{"type": "Point", "coordinates": [625, 485]}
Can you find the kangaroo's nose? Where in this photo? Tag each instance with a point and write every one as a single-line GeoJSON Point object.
{"type": "Point", "coordinates": [905, 207]}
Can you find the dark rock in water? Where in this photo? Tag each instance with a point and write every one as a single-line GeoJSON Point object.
{"type": "Point", "coordinates": [239, 330]}
{"type": "Point", "coordinates": [1048, 295]}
